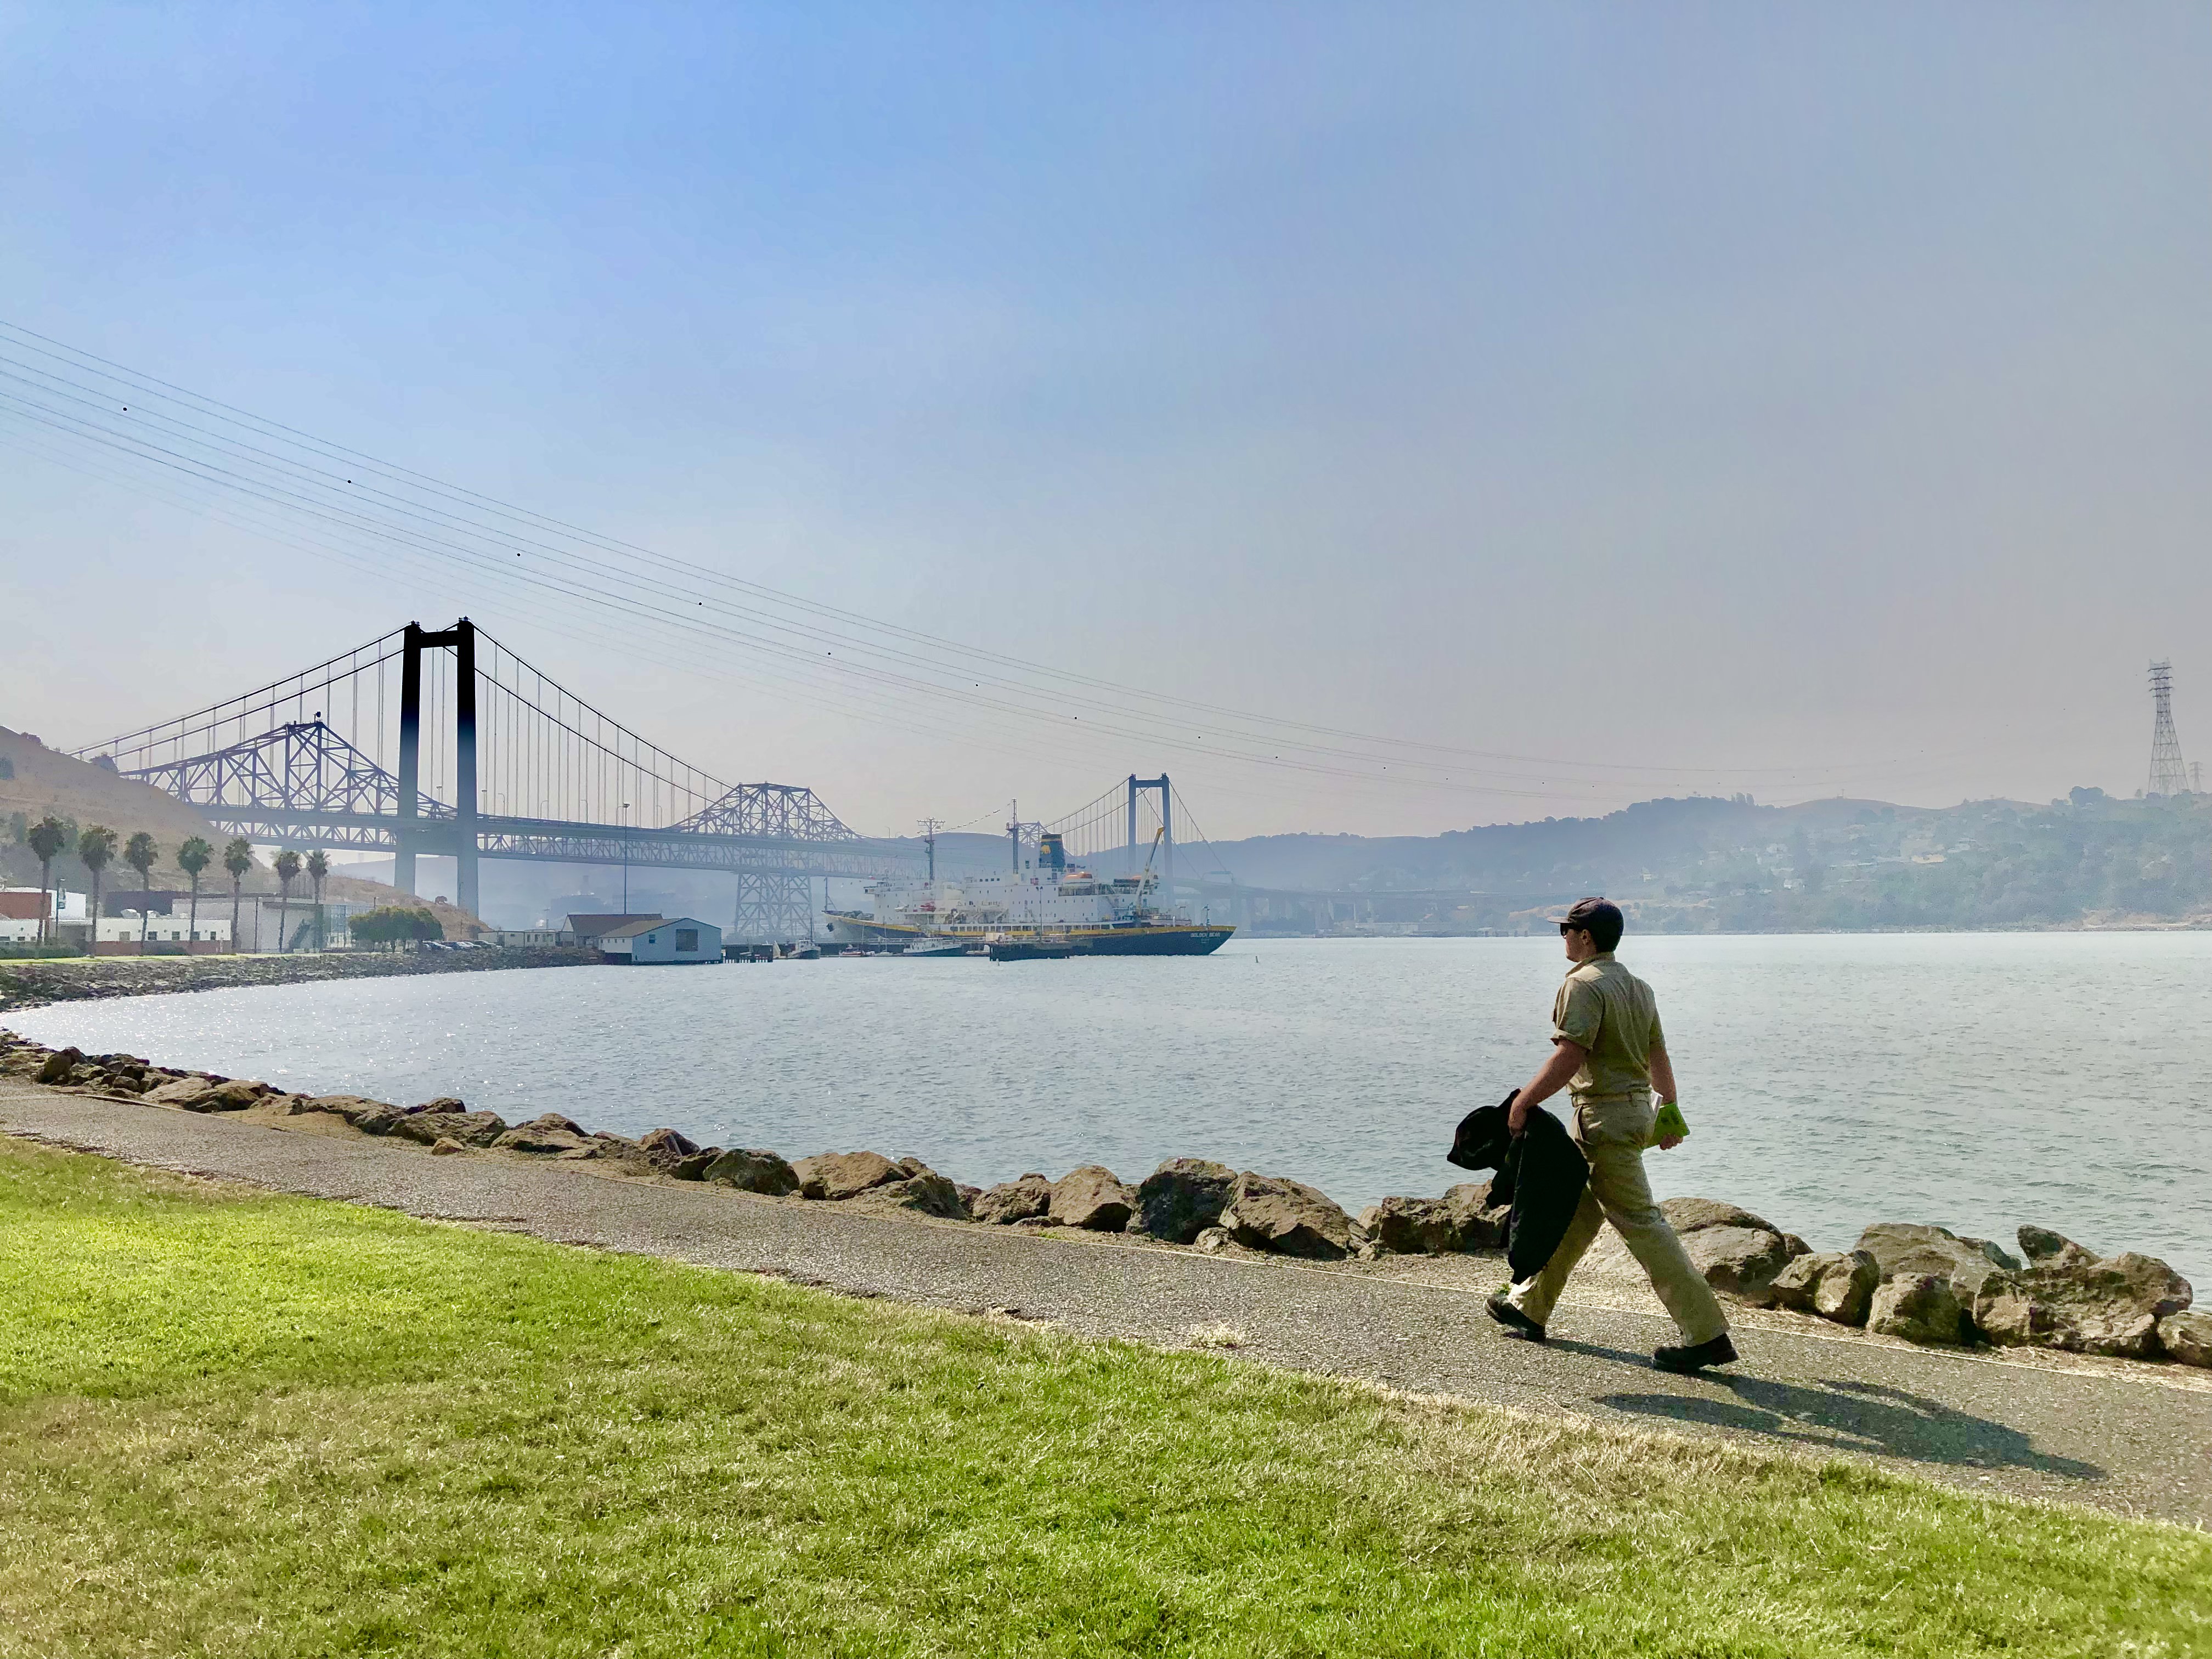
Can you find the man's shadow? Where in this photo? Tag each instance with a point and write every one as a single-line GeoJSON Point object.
{"type": "Point", "coordinates": [1842, 1414]}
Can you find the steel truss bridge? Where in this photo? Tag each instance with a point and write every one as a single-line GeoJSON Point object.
{"type": "Point", "coordinates": [490, 759]}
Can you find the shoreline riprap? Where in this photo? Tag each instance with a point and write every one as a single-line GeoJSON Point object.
{"type": "Point", "coordinates": [1923, 1284]}
{"type": "Point", "coordinates": [35, 982]}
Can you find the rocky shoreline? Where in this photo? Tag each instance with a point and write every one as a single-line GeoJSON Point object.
{"type": "Point", "coordinates": [32, 982]}
{"type": "Point", "coordinates": [1920, 1283]}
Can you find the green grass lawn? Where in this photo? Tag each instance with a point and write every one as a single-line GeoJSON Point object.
{"type": "Point", "coordinates": [234, 1423]}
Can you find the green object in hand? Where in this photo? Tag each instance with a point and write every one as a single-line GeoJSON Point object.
{"type": "Point", "coordinates": [1669, 1125]}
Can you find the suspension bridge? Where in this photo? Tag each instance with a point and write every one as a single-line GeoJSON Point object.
{"type": "Point", "coordinates": [443, 742]}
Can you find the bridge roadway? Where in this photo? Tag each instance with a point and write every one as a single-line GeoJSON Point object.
{"type": "Point", "coordinates": [643, 846]}
{"type": "Point", "coordinates": [2131, 1437]}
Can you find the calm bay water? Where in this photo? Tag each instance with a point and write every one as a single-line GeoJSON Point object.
{"type": "Point", "coordinates": [1974, 1081]}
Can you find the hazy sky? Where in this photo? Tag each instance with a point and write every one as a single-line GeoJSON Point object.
{"type": "Point", "coordinates": [1685, 398]}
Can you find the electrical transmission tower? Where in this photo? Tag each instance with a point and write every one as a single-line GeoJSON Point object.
{"type": "Point", "coordinates": [2168, 776]}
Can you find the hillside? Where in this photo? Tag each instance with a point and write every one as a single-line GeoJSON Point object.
{"type": "Point", "coordinates": [36, 782]}
{"type": "Point", "coordinates": [1707, 865]}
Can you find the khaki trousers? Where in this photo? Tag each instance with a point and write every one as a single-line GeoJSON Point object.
{"type": "Point", "coordinates": [1611, 1134]}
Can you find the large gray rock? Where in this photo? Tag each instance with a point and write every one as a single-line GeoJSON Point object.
{"type": "Point", "coordinates": [2041, 1244]}
{"type": "Point", "coordinates": [1183, 1198]}
{"type": "Point", "coordinates": [1286, 1217]}
{"type": "Point", "coordinates": [2084, 1304]}
{"type": "Point", "coordinates": [1737, 1261]}
{"type": "Point", "coordinates": [1093, 1198]}
{"type": "Point", "coordinates": [237, 1095]}
{"type": "Point", "coordinates": [469, 1128]}
{"type": "Point", "coordinates": [1691, 1215]}
{"type": "Point", "coordinates": [1921, 1308]}
{"type": "Point", "coordinates": [186, 1092]}
{"type": "Point", "coordinates": [667, 1147]}
{"type": "Point", "coordinates": [549, 1135]}
{"type": "Point", "coordinates": [56, 1066]}
{"type": "Point", "coordinates": [1905, 1248]}
{"type": "Point", "coordinates": [693, 1166]}
{"type": "Point", "coordinates": [1462, 1219]}
{"type": "Point", "coordinates": [752, 1169]}
{"type": "Point", "coordinates": [2187, 1337]}
{"type": "Point", "coordinates": [926, 1193]}
{"type": "Point", "coordinates": [1026, 1200]}
{"type": "Point", "coordinates": [841, 1175]}
{"type": "Point", "coordinates": [1836, 1284]}
{"type": "Point", "coordinates": [1410, 1226]}
{"type": "Point", "coordinates": [351, 1108]}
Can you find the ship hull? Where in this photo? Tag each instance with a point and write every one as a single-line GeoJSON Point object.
{"type": "Point", "coordinates": [1170, 941]}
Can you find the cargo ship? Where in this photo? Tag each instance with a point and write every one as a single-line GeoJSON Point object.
{"type": "Point", "coordinates": [1039, 908]}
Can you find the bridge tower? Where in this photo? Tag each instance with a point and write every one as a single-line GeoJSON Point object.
{"type": "Point", "coordinates": [1137, 786]}
{"type": "Point", "coordinates": [414, 834]}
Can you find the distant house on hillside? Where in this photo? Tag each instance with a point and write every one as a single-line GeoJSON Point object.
{"type": "Point", "coordinates": [679, 939]}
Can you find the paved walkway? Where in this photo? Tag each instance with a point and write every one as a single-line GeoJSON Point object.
{"type": "Point", "coordinates": [2138, 1439]}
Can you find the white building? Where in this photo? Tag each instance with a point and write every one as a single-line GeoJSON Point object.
{"type": "Point", "coordinates": [530, 938]}
{"type": "Point", "coordinates": [171, 929]}
{"type": "Point", "coordinates": [672, 939]}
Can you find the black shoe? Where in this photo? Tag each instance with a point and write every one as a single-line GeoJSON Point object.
{"type": "Point", "coordinates": [1718, 1352]}
{"type": "Point", "coordinates": [1518, 1323]}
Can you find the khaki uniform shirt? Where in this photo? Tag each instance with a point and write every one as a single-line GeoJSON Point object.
{"type": "Point", "coordinates": [1613, 1018]}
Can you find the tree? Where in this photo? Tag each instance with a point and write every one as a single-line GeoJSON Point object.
{"type": "Point", "coordinates": [192, 857]}
{"type": "Point", "coordinates": [238, 858]}
{"type": "Point", "coordinates": [93, 849]}
{"type": "Point", "coordinates": [288, 872]}
{"type": "Point", "coordinates": [140, 853]}
{"type": "Point", "coordinates": [392, 925]}
{"type": "Point", "coordinates": [47, 837]}
{"type": "Point", "coordinates": [319, 865]}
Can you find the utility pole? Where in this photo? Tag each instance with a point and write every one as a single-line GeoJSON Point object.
{"type": "Point", "coordinates": [929, 829]}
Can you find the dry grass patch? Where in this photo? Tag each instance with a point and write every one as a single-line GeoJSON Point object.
{"type": "Point", "coordinates": [1218, 1334]}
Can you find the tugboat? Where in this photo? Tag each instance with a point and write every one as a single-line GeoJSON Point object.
{"type": "Point", "coordinates": [1040, 908]}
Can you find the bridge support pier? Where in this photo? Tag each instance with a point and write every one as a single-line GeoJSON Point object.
{"type": "Point", "coordinates": [774, 906]}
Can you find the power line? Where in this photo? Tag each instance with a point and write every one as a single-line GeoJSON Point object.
{"type": "Point", "coordinates": [429, 528]}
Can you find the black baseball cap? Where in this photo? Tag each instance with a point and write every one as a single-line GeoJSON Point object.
{"type": "Point", "coordinates": [1601, 916]}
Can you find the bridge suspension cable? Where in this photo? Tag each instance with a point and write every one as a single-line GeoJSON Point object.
{"type": "Point", "coordinates": [379, 512]}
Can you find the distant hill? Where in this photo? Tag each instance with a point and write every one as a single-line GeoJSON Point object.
{"type": "Point", "coordinates": [36, 782]}
{"type": "Point", "coordinates": [1704, 865]}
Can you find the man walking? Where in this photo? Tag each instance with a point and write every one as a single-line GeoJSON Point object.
{"type": "Point", "coordinates": [1608, 1050]}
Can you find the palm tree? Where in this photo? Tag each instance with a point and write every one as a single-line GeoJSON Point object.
{"type": "Point", "coordinates": [47, 837]}
{"type": "Point", "coordinates": [93, 849]}
{"type": "Point", "coordinates": [140, 853]}
{"type": "Point", "coordinates": [288, 872]}
{"type": "Point", "coordinates": [319, 865]}
{"type": "Point", "coordinates": [194, 857]}
{"type": "Point", "coordinates": [238, 858]}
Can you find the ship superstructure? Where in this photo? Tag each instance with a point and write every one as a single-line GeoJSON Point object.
{"type": "Point", "coordinates": [1040, 898]}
